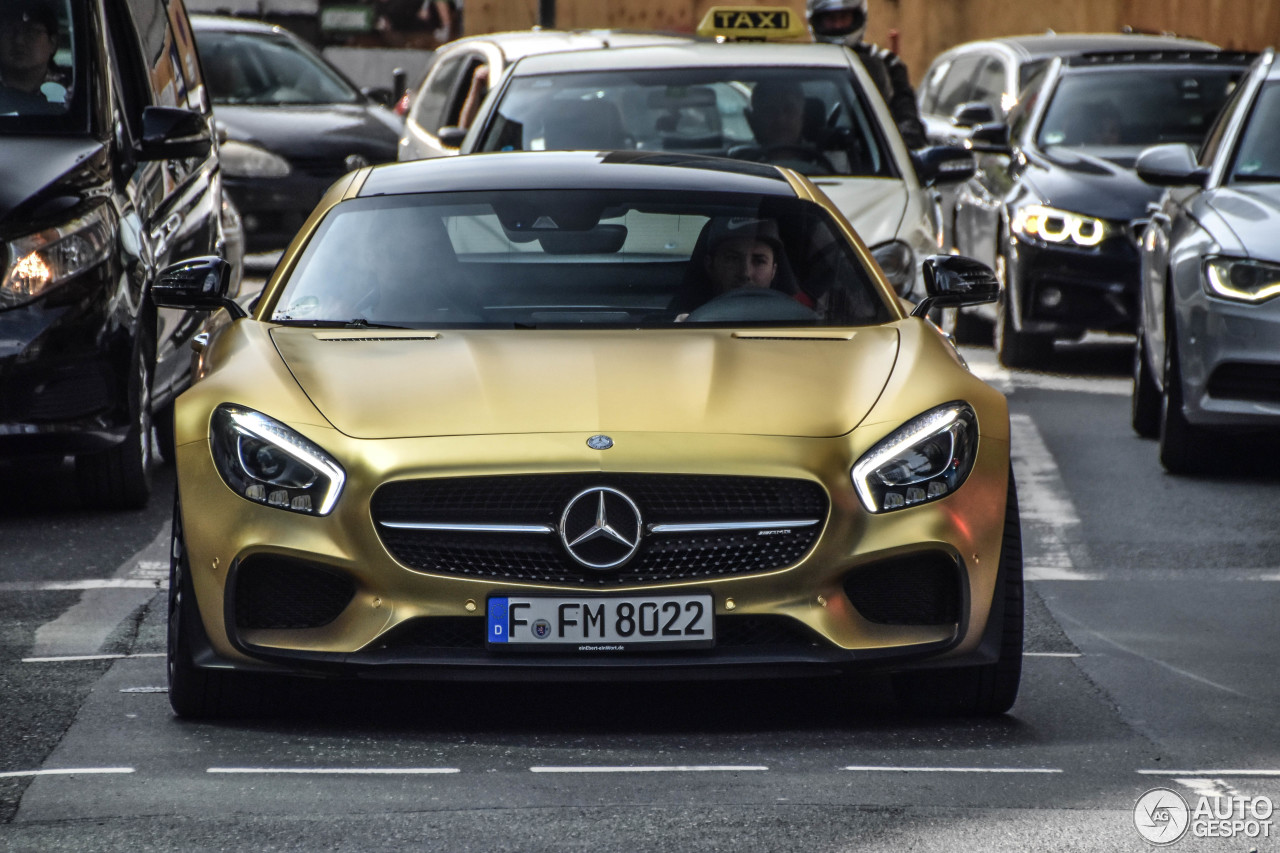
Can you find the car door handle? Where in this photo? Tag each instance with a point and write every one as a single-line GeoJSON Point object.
{"type": "Point", "coordinates": [200, 342]}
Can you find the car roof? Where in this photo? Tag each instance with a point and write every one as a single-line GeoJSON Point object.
{"type": "Point", "coordinates": [689, 55]}
{"type": "Point", "coordinates": [516, 44]}
{"type": "Point", "coordinates": [568, 170]}
{"type": "Point", "coordinates": [1048, 45]}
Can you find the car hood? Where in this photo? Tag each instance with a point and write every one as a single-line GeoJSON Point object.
{"type": "Point", "coordinates": [310, 131]}
{"type": "Point", "coordinates": [1253, 215]}
{"type": "Point", "coordinates": [875, 206]}
{"type": "Point", "coordinates": [1101, 184]}
{"type": "Point", "coordinates": [374, 384]}
{"type": "Point", "coordinates": [37, 172]}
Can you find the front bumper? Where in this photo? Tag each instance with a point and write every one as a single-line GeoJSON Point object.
{"type": "Point", "coordinates": [385, 619]}
{"type": "Point", "coordinates": [1229, 356]}
{"type": "Point", "coordinates": [1065, 291]}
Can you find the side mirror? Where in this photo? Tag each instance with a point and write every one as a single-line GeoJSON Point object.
{"type": "Point", "coordinates": [200, 284]}
{"type": "Point", "coordinates": [944, 164]}
{"type": "Point", "coordinates": [379, 95]}
{"type": "Point", "coordinates": [1171, 165]}
{"type": "Point", "coordinates": [451, 136]}
{"type": "Point", "coordinates": [974, 113]}
{"type": "Point", "coordinates": [991, 138]}
{"type": "Point", "coordinates": [172, 133]}
{"type": "Point", "coordinates": [951, 281]}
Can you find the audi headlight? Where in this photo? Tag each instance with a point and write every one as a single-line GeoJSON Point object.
{"type": "Point", "coordinates": [242, 160]}
{"type": "Point", "coordinates": [898, 263]}
{"type": "Point", "coordinates": [1050, 225]}
{"type": "Point", "coordinates": [264, 461]}
{"type": "Point", "coordinates": [1241, 280]}
{"type": "Point", "coordinates": [40, 262]}
{"type": "Point", "coordinates": [925, 459]}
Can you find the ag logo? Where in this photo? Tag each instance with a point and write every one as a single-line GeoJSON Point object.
{"type": "Point", "coordinates": [1161, 816]}
{"type": "Point", "coordinates": [600, 528]}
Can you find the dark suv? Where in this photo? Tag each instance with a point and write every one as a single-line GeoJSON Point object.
{"type": "Point", "coordinates": [109, 172]}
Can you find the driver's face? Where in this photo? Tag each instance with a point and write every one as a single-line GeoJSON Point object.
{"type": "Point", "coordinates": [778, 121]}
{"type": "Point", "coordinates": [742, 262]}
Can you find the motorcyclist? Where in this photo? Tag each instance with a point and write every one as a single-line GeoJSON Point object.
{"type": "Point", "coordinates": [844, 22]}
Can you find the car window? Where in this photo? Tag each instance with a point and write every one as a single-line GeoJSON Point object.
{"type": "Point", "coordinates": [442, 82]}
{"type": "Point", "coordinates": [1209, 150]}
{"type": "Point", "coordinates": [932, 85]}
{"type": "Point", "coordinates": [247, 68]}
{"type": "Point", "coordinates": [989, 85]}
{"type": "Point", "coordinates": [1257, 156]}
{"type": "Point", "coordinates": [958, 84]}
{"type": "Point", "coordinates": [1025, 105]}
{"type": "Point", "coordinates": [595, 258]}
{"type": "Point", "coordinates": [738, 112]}
{"type": "Point", "coordinates": [1135, 106]}
{"type": "Point", "coordinates": [48, 103]}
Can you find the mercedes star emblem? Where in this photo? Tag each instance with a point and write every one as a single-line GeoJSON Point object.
{"type": "Point", "coordinates": [599, 442]}
{"type": "Point", "coordinates": [600, 528]}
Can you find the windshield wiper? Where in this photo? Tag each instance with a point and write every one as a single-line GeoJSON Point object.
{"type": "Point", "coordinates": [357, 323]}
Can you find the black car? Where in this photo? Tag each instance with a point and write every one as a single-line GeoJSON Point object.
{"type": "Point", "coordinates": [1057, 208]}
{"type": "Point", "coordinates": [292, 124]}
{"type": "Point", "coordinates": [109, 172]}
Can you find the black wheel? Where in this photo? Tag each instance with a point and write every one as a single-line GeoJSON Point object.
{"type": "Point", "coordinates": [194, 692]}
{"type": "Point", "coordinates": [963, 327]}
{"type": "Point", "coordinates": [1015, 348]}
{"type": "Point", "coordinates": [164, 434]}
{"type": "Point", "coordinates": [1145, 409]}
{"type": "Point", "coordinates": [120, 478]}
{"type": "Point", "coordinates": [986, 689]}
{"type": "Point", "coordinates": [1183, 447]}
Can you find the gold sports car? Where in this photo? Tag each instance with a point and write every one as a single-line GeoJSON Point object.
{"type": "Point", "coordinates": [576, 415]}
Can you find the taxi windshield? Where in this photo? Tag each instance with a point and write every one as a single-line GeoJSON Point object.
{"type": "Point", "coordinates": [1137, 107]}
{"type": "Point", "coordinates": [42, 69]}
{"type": "Point", "coordinates": [808, 119]}
{"type": "Point", "coordinates": [532, 259]}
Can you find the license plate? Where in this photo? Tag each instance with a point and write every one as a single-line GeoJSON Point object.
{"type": "Point", "coordinates": [601, 624]}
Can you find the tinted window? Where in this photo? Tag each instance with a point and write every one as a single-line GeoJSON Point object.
{"type": "Point", "coordinates": [1135, 106]}
{"type": "Point", "coordinates": [43, 61]}
{"type": "Point", "coordinates": [1258, 156]}
{"type": "Point", "coordinates": [246, 68]}
{"type": "Point", "coordinates": [596, 258]}
{"type": "Point", "coordinates": [812, 120]}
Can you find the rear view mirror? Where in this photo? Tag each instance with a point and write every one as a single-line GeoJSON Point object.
{"type": "Point", "coordinates": [451, 136]}
{"type": "Point", "coordinates": [974, 113]}
{"type": "Point", "coordinates": [991, 138]}
{"type": "Point", "coordinates": [171, 133]}
{"type": "Point", "coordinates": [944, 164]}
{"type": "Point", "coordinates": [199, 283]}
{"type": "Point", "coordinates": [1171, 165]}
{"type": "Point", "coordinates": [952, 281]}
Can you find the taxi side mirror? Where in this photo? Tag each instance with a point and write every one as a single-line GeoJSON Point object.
{"type": "Point", "coordinates": [952, 281]}
{"type": "Point", "coordinates": [944, 164]}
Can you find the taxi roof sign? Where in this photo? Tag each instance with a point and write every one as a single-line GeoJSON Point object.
{"type": "Point", "coordinates": [752, 23]}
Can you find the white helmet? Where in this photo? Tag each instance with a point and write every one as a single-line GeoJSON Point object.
{"type": "Point", "coordinates": [837, 21]}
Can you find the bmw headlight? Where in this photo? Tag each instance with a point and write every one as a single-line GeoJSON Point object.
{"type": "Point", "coordinates": [264, 461]}
{"type": "Point", "coordinates": [1241, 280]}
{"type": "Point", "coordinates": [41, 261]}
{"type": "Point", "coordinates": [925, 459]}
{"type": "Point", "coordinates": [242, 160]}
{"type": "Point", "coordinates": [1050, 225]}
{"type": "Point", "coordinates": [898, 263]}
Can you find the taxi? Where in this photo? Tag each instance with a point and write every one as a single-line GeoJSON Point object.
{"type": "Point", "coordinates": [746, 92]}
{"type": "Point", "coordinates": [589, 416]}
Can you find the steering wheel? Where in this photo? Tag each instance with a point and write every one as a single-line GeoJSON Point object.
{"type": "Point", "coordinates": [747, 304]}
{"type": "Point", "coordinates": [802, 151]}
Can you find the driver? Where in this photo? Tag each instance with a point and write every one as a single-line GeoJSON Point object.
{"type": "Point", "coordinates": [742, 252]}
{"type": "Point", "coordinates": [777, 113]}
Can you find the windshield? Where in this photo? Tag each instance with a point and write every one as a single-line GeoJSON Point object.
{"type": "Point", "coordinates": [42, 68]}
{"type": "Point", "coordinates": [1136, 107]}
{"type": "Point", "coordinates": [808, 119]}
{"type": "Point", "coordinates": [249, 68]}
{"type": "Point", "coordinates": [1258, 157]}
{"type": "Point", "coordinates": [578, 258]}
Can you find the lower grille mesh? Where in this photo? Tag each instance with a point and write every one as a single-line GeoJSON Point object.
{"type": "Point", "coordinates": [275, 593]}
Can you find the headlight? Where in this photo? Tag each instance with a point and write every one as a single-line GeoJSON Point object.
{"type": "Point", "coordinates": [1241, 280]}
{"type": "Point", "coordinates": [242, 160]}
{"type": "Point", "coordinates": [41, 261]}
{"type": "Point", "coordinates": [898, 263]}
{"type": "Point", "coordinates": [1050, 225]}
{"type": "Point", "coordinates": [264, 461]}
{"type": "Point", "coordinates": [925, 459]}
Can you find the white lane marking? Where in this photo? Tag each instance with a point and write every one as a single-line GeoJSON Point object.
{"type": "Point", "coordinates": [337, 771]}
{"type": "Point", "coordinates": [875, 768]}
{"type": "Point", "coordinates": [73, 658]}
{"type": "Point", "coordinates": [67, 771]}
{"type": "Point", "coordinates": [144, 689]}
{"type": "Point", "coordinates": [1208, 787]}
{"type": "Point", "coordinates": [1051, 654]}
{"type": "Point", "coordinates": [983, 365]}
{"type": "Point", "coordinates": [79, 586]}
{"type": "Point", "coordinates": [675, 768]}
{"type": "Point", "coordinates": [1049, 518]}
{"type": "Point", "coordinates": [1259, 774]}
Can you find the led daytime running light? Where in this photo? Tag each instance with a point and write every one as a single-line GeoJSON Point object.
{"type": "Point", "coordinates": [1059, 226]}
{"type": "Point", "coordinates": [231, 425]}
{"type": "Point", "coordinates": [1241, 280]}
{"type": "Point", "coordinates": [900, 472]}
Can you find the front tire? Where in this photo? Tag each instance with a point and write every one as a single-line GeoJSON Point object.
{"type": "Point", "coordinates": [1145, 406]}
{"type": "Point", "coordinates": [120, 478]}
{"type": "Point", "coordinates": [986, 689]}
{"type": "Point", "coordinates": [1183, 447]}
{"type": "Point", "coordinates": [1015, 348]}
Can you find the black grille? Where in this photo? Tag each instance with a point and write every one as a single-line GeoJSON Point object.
{"type": "Point", "coordinates": [540, 500]}
{"type": "Point", "coordinates": [271, 592]}
{"type": "Point", "coordinates": [1259, 383]}
{"type": "Point", "coordinates": [923, 589]}
{"type": "Point", "coordinates": [441, 633]}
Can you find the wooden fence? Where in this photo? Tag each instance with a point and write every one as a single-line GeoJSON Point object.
{"type": "Point", "coordinates": [920, 29]}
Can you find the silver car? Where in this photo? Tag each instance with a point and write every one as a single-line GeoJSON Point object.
{"type": "Point", "coordinates": [1208, 354]}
